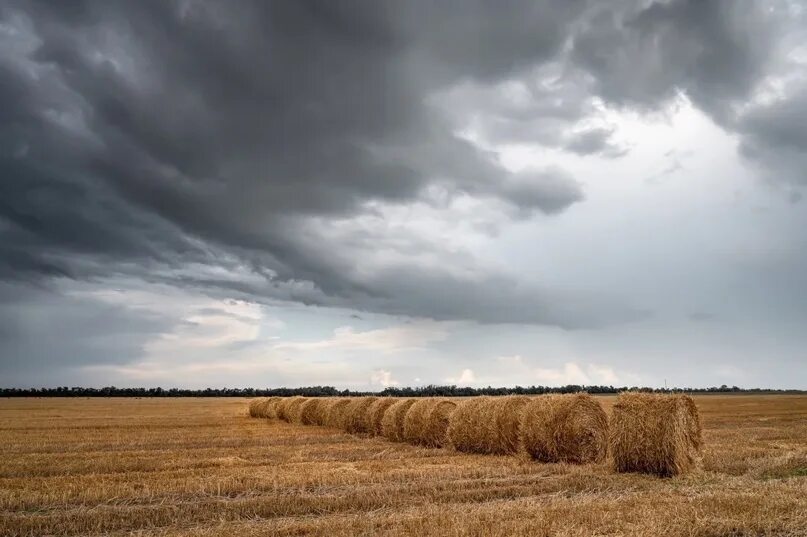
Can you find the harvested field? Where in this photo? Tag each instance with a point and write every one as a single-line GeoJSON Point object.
{"type": "Point", "coordinates": [181, 467]}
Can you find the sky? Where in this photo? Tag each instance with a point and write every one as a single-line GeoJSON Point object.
{"type": "Point", "coordinates": [376, 193]}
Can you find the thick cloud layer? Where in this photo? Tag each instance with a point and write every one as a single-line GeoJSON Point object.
{"type": "Point", "coordinates": [271, 150]}
{"type": "Point", "coordinates": [162, 132]}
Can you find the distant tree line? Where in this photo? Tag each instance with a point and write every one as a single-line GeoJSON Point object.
{"type": "Point", "coordinates": [325, 391]}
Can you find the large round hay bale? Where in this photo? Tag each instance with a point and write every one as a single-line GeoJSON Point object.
{"type": "Point", "coordinates": [312, 412]}
{"type": "Point", "coordinates": [655, 433]}
{"type": "Point", "coordinates": [487, 424]}
{"type": "Point", "coordinates": [335, 414]}
{"type": "Point", "coordinates": [255, 407]}
{"type": "Point", "coordinates": [564, 428]}
{"type": "Point", "coordinates": [264, 407]}
{"type": "Point", "coordinates": [375, 414]}
{"type": "Point", "coordinates": [507, 432]}
{"type": "Point", "coordinates": [392, 424]}
{"type": "Point", "coordinates": [288, 408]}
{"type": "Point", "coordinates": [427, 420]}
{"type": "Point", "coordinates": [467, 427]}
{"type": "Point", "coordinates": [357, 417]}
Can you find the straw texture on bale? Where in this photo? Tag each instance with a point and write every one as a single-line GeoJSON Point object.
{"type": "Point", "coordinates": [655, 434]}
{"type": "Point", "coordinates": [264, 407]}
{"type": "Point", "coordinates": [564, 428]}
{"type": "Point", "coordinates": [256, 407]}
{"type": "Point", "coordinates": [392, 424]}
{"type": "Point", "coordinates": [357, 416]}
{"type": "Point", "coordinates": [335, 414]}
{"type": "Point", "coordinates": [426, 422]}
{"type": "Point", "coordinates": [312, 412]}
{"type": "Point", "coordinates": [375, 414]}
{"type": "Point", "coordinates": [487, 424]}
{"type": "Point", "coordinates": [288, 407]}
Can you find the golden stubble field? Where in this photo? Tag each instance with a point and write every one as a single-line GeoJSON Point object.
{"type": "Point", "coordinates": [172, 467]}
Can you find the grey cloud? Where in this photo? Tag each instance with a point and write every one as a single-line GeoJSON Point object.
{"type": "Point", "coordinates": [171, 141]}
{"type": "Point", "coordinates": [160, 133]}
{"type": "Point", "coordinates": [720, 55]}
{"type": "Point", "coordinates": [594, 141]}
{"type": "Point", "coordinates": [775, 135]}
{"type": "Point", "coordinates": [45, 334]}
{"type": "Point", "coordinates": [645, 54]}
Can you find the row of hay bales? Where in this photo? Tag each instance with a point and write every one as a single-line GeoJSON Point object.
{"type": "Point", "coordinates": [650, 433]}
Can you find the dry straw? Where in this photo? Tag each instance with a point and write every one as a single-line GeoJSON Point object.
{"type": "Point", "coordinates": [357, 415]}
{"type": "Point", "coordinates": [264, 407]}
{"type": "Point", "coordinates": [655, 434]}
{"type": "Point", "coordinates": [392, 424]}
{"type": "Point", "coordinates": [335, 414]}
{"type": "Point", "coordinates": [426, 422]}
{"type": "Point", "coordinates": [312, 412]}
{"type": "Point", "coordinates": [466, 430]}
{"type": "Point", "coordinates": [375, 414]}
{"type": "Point", "coordinates": [487, 424]}
{"type": "Point", "coordinates": [564, 428]}
{"type": "Point", "coordinates": [288, 408]}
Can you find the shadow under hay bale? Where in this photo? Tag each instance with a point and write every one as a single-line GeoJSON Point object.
{"type": "Point", "coordinates": [312, 412]}
{"type": "Point", "coordinates": [655, 434]}
{"type": "Point", "coordinates": [357, 417]}
{"type": "Point", "coordinates": [375, 414]}
{"type": "Point", "coordinates": [426, 421]}
{"type": "Point", "coordinates": [392, 424]}
{"type": "Point", "coordinates": [564, 428]}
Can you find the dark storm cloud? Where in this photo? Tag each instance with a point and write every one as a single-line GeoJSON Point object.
{"type": "Point", "coordinates": [720, 55]}
{"type": "Point", "coordinates": [712, 51]}
{"type": "Point", "coordinates": [137, 135]}
{"type": "Point", "coordinates": [163, 140]}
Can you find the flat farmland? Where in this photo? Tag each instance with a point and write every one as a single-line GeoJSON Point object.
{"type": "Point", "coordinates": [176, 467]}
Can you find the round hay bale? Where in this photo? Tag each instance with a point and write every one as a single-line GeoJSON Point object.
{"type": "Point", "coordinates": [655, 433]}
{"type": "Point", "coordinates": [312, 411]}
{"type": "Point", "coordinates": [506, 434]}
{"type": "Point", "coordinates": [564, 428]}
{"type": "Point", "coordinates": [288, 407]}
{"type": "Point", "coordinates": [335, 412]}
{"type": "Point", "coordinates": [466, 430]}
{"type": "Point", "coordinates": [264, 407]}
{"type": "Point", "coordinates": [357, 415]}
{"type": "Point", "coordinates": [255, 406]}
{"type": "Point", "coordinates": [392, 424]}
{"type": "Point", "coordinates": [487, 424]}
{"type": "Point", "coordinates": [375, 414]}
{"type": "Point", "coordinates": [427, 420]}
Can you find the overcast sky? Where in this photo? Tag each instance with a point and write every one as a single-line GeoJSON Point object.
{"type": "Point", "coordinates": [377, 193]}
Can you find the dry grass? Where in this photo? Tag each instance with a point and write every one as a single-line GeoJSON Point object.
{"type": "Point", "coordinates": [565, 428]}
{"type": "Point", "coordinates": [202, 467]}
{"type": "Point", "coordinates": [655, 434]}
